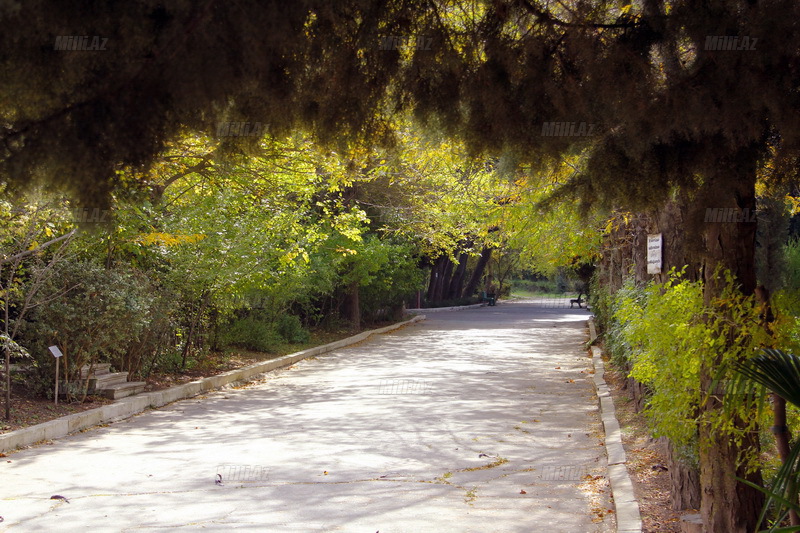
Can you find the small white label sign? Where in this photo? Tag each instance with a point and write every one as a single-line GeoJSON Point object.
{"type": "Point", "coordinates": [654, 253]}
{"type": "Point", "coordinates": [55, 351]}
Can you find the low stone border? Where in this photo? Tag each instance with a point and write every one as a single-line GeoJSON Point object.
{"type": "Point", "coordinates": [629, 520]}
{"type": "Point", "coordinates": [127, 407]}
{"type": "Point", "coordinates": [454, 308]}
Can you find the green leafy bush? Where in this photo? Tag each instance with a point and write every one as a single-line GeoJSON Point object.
{"type": "Point", "coordinates": [290, 328]}
{"type": "Point", "coordinates": [387, 272]}
{"type": "Point", "coordinates": [92, 313]}
{"type": "Point", "coordinates": [660, 331]}
{"type": "Point", "coordinates": [616, 336]}
{"type": "Point", "coordinates": [671, 338]}
{"type": "Point", "coordinates": [169, 361]}
{"type": "Point", "coordinates": [250, 333]}
{"type": "Point", "coordinates": [601, 301]}
{"type": "Point", "coordinates": [792, 265]}
{"type": "Point", "coordinates": [786, 307]}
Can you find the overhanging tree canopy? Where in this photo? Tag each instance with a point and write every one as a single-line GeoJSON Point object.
{"type": "Point", "coordinates": [661, 98]}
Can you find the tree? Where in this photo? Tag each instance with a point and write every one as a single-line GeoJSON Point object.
{"type": "Point", "coordinates": [76, 109]}
{"type": "Point", "coordinates": [26, 265]}
{"type": "Point", "coordinates": [664, 96]}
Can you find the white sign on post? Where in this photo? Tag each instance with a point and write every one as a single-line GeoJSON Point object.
{"type": "Point", "coordinates": [654, 253]}
{"type": "Point", "coordinates": [57, 354]}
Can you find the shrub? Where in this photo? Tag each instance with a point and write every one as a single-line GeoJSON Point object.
{"type": "Point", "coordinates": [250, 333]}
{"type": "Point", "coordinates": [388, 272]}
{"type": "Point", "coordinates": [671, 337]}
{"type": "Point", "coordinates": [792, 265]}
{"type": "Point", "coordinates": [92, 313]}
{"type": "Point", "coordinates": [616, 333]}
{"type": "Point", "coordinates": [290, 328]}
{"type": "Point", "coordinates": [601, 301]}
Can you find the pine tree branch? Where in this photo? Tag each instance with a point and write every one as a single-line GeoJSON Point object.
{"type": "Point", "coordinates": [547, 17]}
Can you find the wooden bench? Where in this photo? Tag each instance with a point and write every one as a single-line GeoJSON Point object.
{"type": "Point", "coordinates": [577, 300]}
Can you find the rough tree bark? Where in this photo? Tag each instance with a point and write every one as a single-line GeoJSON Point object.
{"type": "Point", "coordinates": [444, 281]}
{"type": "Point", "coordinates": [437, 270]}
{"type": "Point", "coordinates": [472, 284]}
{"type": "Point", "coordinates": [457, 281]}
{"type": "Point", "coordinates": [726, 504]}
{"type": "Point", "coordinates": [354, 305]}
{"type": "Point", "coordinates": [684, 479]}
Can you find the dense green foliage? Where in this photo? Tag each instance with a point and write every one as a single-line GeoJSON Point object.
{"type": "Point", "coordinates": [224, 251]}
{"type": "Point", "coordinates": [667, 336]}
{"type": "Point", "coordinates": [791, 272]}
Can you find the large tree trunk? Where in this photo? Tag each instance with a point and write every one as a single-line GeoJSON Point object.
{"type": "Point", "coordinates": [354, 305]}
{"type": "Point", "coordinates": [670, 221]}
{"type": "Point", "coordinates": [444, 281]}
{"type": "Point", "coordinates": [457, 281]}
{"type": "Point", "coordinates": [193, 326]}
{"type": "Point", "coordinates": [727, 505]}
{"type": "Point", "coordinates": [685, 480]}
{"type": "Point", "coordinates": [436, 278]}
{"type": "Point", "coordinates": [472, 284]}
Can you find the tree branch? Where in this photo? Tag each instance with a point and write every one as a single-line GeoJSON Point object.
{"type": "Point", "coordinates": [26, 253]}
{"type": "Point", "coordinates": [545, 16]}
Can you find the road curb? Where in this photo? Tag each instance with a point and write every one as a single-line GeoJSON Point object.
{"type": "Point", "coordinates": [437, 309]}
{"type": "Point", "coordinates": [629, 518]}
{"type": "Point", "coordinates": [132, 405]}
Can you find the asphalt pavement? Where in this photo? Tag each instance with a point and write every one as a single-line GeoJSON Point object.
{"type": "Point", "coordinates": [480, 420]}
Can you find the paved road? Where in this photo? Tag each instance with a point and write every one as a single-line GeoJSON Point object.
{"type": "Point", "coordinates": [438, 427]}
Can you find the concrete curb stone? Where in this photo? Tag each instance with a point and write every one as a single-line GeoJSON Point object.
{"type": "Point", "coordinates": [629, 519]}
{"type": "Point", "coordinates": [456, 308]}
{"type": "Point", "coordinates": [132, 405]}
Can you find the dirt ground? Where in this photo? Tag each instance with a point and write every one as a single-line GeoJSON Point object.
{"type": "Point", "coordinates": [28, 410]}
{"type": "Point", "coordinates": [646, 462]}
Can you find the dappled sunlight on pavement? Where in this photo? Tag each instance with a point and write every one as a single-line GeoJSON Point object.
{"type": "Point", "coordinates": [472, 421]}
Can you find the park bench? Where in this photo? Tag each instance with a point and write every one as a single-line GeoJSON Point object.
{"type": "Point", "coordinates": [577, 300]}
{"type": "Point", "coordinates": [488, 298]}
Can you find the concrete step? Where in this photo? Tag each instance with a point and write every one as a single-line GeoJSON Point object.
{"type": "Point", "coordinates": [99, 369]}
{"type": "Point", "coordinates": [121, 390]}
{"type": "Point", "coordinates": [105, 381]}
{"type": "Point", "coordinates": [692, 523]}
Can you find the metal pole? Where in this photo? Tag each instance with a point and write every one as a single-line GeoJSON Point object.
{"type": "Point", "coordinates": [57, 358]}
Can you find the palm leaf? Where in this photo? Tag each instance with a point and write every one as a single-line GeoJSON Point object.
{"type": "Point", "coordinates": [778, 371]}
{"type": "Point", "coordinates": [783, 491]}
